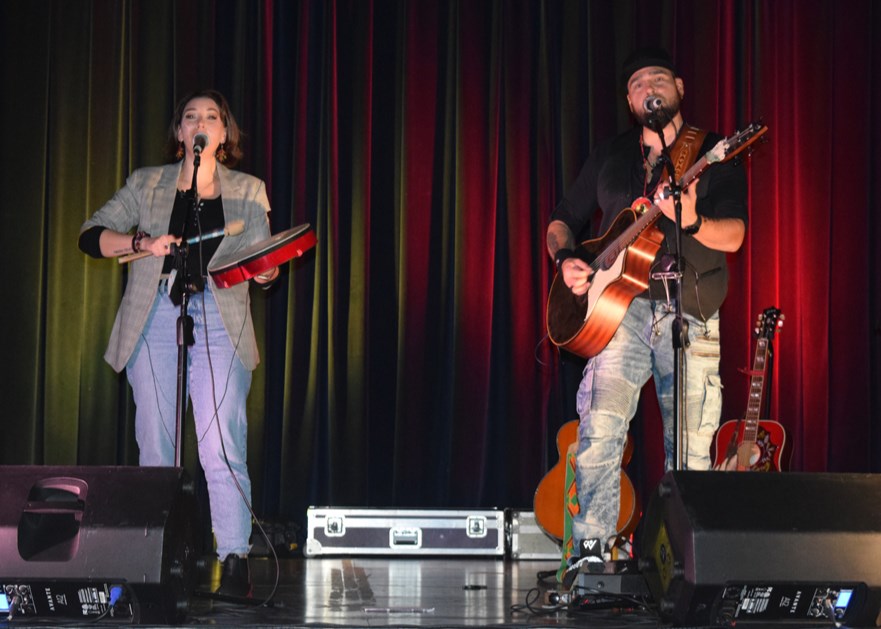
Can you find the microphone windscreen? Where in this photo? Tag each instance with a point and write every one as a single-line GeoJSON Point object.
{"type": "Point", "coordinates": [200, 140]}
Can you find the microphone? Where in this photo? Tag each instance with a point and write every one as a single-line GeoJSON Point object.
{"type": "Point", "coordinates": [652, 104]}
{"type": "Point", "coordinates": [201, 139]}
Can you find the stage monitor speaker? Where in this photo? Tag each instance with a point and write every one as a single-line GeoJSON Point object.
{"type": "Point", "coordinates": [755, 547]}
{"type": "Point", "coordinates": [78, 529]}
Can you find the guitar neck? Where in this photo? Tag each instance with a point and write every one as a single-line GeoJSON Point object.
{"type": "Point", "coordinates": [648, 218]}
{"type": "Point", "coordinates": [756, 391]}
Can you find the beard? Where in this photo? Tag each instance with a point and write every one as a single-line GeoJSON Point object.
{"type": "Point", "coordinates": [659, 119]}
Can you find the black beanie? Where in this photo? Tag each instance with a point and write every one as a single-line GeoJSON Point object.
{"type": "Point", "coordinates": [643, 58]}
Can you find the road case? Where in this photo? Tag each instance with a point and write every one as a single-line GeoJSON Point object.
{"type": "Point", "coordinates": [346, 531]}
{"type": "Point", "coordinates": [527, 541]}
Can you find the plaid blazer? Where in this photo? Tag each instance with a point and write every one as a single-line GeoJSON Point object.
{"type": "Point", "coordinates": [145, 202]}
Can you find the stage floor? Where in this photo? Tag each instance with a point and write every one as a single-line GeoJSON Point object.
{"type": "Point", "coordinates": [407, 592]}
{"type": "Point", "coordinates": [370, 591]}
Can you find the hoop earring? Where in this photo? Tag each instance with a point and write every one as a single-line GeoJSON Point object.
{"type": "Point", "coordinates": [220, 155]}
{"type": "Point", "coordinates": [179, 154]}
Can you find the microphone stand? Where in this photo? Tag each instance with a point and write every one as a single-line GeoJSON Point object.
{"type": "Point", "coordinates": [185, 337]}
{"type": "Point", "coordinates": [680, 325]}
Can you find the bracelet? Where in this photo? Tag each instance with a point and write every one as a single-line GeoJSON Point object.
{"type": "Point", "coordinates": [692, 229]}
{"type": "Point", "coordinates": [562, 255]}
{"type": "Point", "coordinates": [136, 241]}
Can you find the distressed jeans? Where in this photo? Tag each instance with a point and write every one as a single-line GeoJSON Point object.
{"type": "Point", "coordinates": [152, 373]}
{"type": "Point", "coordinates": [607, 397]}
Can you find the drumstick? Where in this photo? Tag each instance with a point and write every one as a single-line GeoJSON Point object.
{"type": "Point", "coordinates": [233, 228]}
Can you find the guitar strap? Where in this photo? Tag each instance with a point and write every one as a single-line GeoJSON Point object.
{"type": "Point", "coordinates": [685, 149]}
{"type": "Point", "coordinates": [683, 154]}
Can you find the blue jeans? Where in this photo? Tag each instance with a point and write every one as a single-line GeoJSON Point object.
{"type": "Point", "coordinates": [607, 398]}
{"type": "Point", "coordinates": [152, 373]}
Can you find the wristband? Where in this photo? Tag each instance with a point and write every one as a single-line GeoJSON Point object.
{"type": "Point", "coordinates": [136, 241]}
{"type": "Point", "coordinates": [562, 255]}
{"type": "Point", "coordinates": [692, 229]}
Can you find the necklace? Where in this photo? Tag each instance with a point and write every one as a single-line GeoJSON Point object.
{"type": "Point", "coordinates": [648, 164]}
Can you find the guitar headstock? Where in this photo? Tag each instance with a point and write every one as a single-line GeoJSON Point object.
{"type": "Point", "coordinates": [769, 321]}
{"type": "Point", "coordinates": [731, 146]}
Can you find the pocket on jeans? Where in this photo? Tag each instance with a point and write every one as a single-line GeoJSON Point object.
{"type": "Point", "coordinates": [704, 340]}
{"type": "Point", "coordinates": [711, 410]}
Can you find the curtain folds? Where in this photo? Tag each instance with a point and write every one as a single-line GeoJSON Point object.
{"type": "Point", "coordinates": [426, 142]}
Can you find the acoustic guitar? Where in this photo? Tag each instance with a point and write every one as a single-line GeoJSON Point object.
{"type": "Point", "coordinates": [549, 502]}
{"type": "Point", "coordinates": [620, 263]}
{"type": "Point", "coordinates": [753, 444]}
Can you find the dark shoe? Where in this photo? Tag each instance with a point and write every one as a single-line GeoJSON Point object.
{"type": "Point", "coordinates": [591, 560]}
{"type": "Point", "coordinates": [235, 577]}
{"type": "Point", "coordinates": [591, 550]}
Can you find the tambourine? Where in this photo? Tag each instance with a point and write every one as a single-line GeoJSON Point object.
{"type": "Point", "coordinates": [261, 256]}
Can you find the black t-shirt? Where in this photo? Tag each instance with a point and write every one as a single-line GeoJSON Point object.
{"type": "Point", "coordinates": [614, 176]}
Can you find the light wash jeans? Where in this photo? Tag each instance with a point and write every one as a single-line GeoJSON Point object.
{"type": "Point", "coordinates": [607, 399]}
{"type": "Point", "coordinates": [152, 373]}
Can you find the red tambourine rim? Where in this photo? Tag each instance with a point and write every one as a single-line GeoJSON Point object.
{"type": "Point", "coordinates": [235, 273]}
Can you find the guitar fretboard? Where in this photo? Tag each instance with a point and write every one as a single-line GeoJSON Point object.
{"type": "Point", "coordinates": [756, 391]}
{"type": "Point", "coordinates": [646, 220]}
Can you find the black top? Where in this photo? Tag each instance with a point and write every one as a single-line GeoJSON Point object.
{"type": "Point", "coordinates": [207, 218]}
{"type": "Point", "coordinates": [614, 176]}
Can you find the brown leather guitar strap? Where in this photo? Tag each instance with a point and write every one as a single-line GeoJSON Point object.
{"type": "Point", "coordinates": [683, 154]}
{"type": "Point", "coordinates": [685, 149]}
